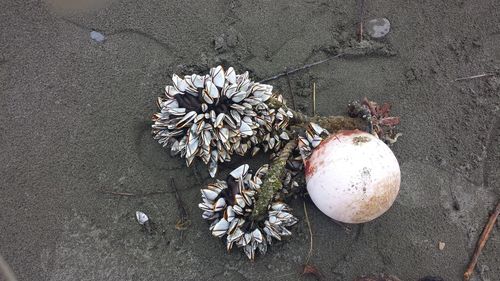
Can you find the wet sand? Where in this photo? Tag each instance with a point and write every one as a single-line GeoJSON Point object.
{"type": "Point", "coordinates": [74, 120]}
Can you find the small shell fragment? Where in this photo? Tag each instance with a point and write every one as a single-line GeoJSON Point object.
{"type": "Point", "coordinates": [378, 28]}
{"type": "Point", "coordinates": [97, 36]}
{"type": "Point", "coordinates": [141, 217]}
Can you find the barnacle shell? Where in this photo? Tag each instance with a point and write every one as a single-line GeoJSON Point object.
{"type": "Point", "coordinates": [352, 177]}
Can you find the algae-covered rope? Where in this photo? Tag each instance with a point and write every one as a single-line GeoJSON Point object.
{"type": "Point", "coordinates": [272, 183]}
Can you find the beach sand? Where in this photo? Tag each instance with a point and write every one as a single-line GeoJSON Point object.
{"type": "Point", "coordinates": [75, 120]}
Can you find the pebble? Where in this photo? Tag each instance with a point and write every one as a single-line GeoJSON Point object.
{"type": "Point", "coordinates": [378, 28]}
{"type": "Point", "coordinates": [122, 180]}
{"type": "Point", "coordinates": [97, 36]}
{"type": "Point", "coordinates": [220, 43]}
{"type": "Point", "coordinates": [441, 245]}
{"type": "Point", "coordinates": [141, 217]}
{"type": "Point", "coordinates": [226, 41]}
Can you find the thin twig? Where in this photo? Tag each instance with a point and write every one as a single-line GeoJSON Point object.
{"type": "Point", "coordinates": [475, 76]}
{"type": "Point", "coordinates": [346, 228]}
{"type": "Point", "coordinates": [288, 72]}
{"type": "Point", "coordinates": [361, 14]}
{"type": "Point", "coordinates": [373, 50]}
{"type": "Point", "coordinates": [117, 193]}
{"type": "Point", "coordinates": [310, 269]}
{"type": "Point", "coordinates": [291, 92]}
{"type": "Point", "coordinates": [482, 241]}
{"type": "Point", "coordinates": [183, 222]}
{"type": "Point", "coordinates": [132, 194]}
{"type": "Point", "coordinates": [310, 235]}
{"type": "Point", "coordinates": [314, 99]}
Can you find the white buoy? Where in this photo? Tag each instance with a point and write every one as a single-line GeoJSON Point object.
{"type": "Point", "coordinates": [353, 177]}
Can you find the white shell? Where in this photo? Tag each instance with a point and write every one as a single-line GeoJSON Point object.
{"type": "Point", "coordinates": [179, 83]}
{"type": "Point", "coordinates": [209, 194]}
{"type": "Point", "coordinates": [141, 217]}
{"type": "Point", "coordinates": [353, 177]}
{"type": "Point", "coordinates": [241, 171]}
{"type": "Point", "coordinates": [217, 74]}
{"type": "Point", "coordinates": [198, 80]}
{"type": "Point", "coordinates": [231, 75]}
{"type": "Point", "coordinates": [245, 129]}
{"type": "Point", "coordinates": [212, 90]}
{"type": "Point", "coordinates": [220, 228]}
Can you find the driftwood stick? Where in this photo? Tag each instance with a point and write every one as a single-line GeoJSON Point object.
{"type": "Point", "coordinates": [482, 241]}
{"type": "Point", "coordinates": [475, 76]}
{"type": "Point", "coordinates": [128, 194]}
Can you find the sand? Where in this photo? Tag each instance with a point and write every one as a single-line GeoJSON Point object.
{"type": "Point", "coordinates": [74, 120]}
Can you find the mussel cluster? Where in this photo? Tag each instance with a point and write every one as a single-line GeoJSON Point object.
{"type": "Point", "coordinates": [216, 115]}
{"type": "Point", "coordinates": [229, 204]}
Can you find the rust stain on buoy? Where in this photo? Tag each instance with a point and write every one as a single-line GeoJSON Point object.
{"type": "Point", "coordinates": [377, 203]}
{"type": "Point", "coordinates": [309, 168]}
